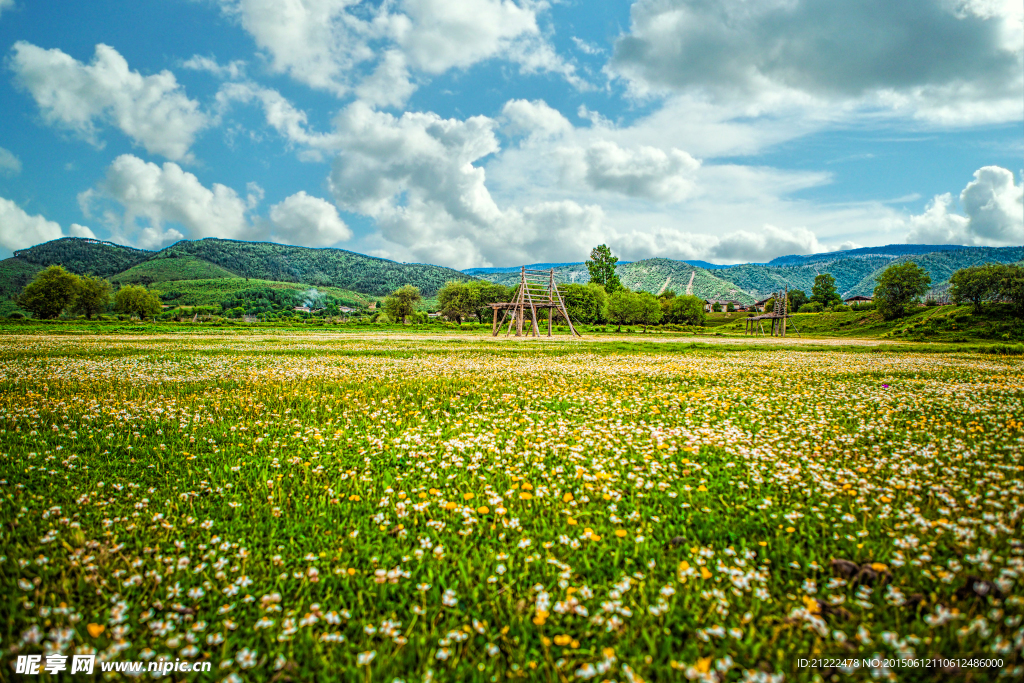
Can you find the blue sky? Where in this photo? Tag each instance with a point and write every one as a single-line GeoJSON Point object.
{"type": "Point", "coordinates": [497, 132]}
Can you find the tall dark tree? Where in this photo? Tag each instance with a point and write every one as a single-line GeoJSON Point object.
{"type": "Point", "coordinates": [51, 291]}
{"type": "Point", "coordinates": [977, 284]}
{"type": "Point", "coordinates": [458, 300]}
{"type": "Point", "coordinates": [93, 295]}
{"type": "Point", "coordinates": [402, 302]}
{"type": "Point", "coordinates": [602, 268]}
{"type": "Point", "coordinates": [824, 291]}
{"type": "Point", "coordinates": [137, 300]}
{"type": "Point", "coordinates": [899, 286]}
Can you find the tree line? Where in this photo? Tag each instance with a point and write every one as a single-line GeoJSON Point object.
{"type": "Point", "coordinates": [53, 291]}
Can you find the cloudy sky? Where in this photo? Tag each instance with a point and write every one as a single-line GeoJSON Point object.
{"type": "Point", "coordinates": [497, 132]}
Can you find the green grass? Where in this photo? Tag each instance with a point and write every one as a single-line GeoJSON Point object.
{"type": "Point", "coordinates": [441, 504]}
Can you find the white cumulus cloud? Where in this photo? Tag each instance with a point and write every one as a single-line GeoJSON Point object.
{"type": "Point", "coordinates": [345, 45]}
{"type": "Point", "coordinates": [993, 205]}
{"type": "Point", "coordinates": [535, 118]}
{"type": "Point", "coordinates": [309, 221]}
{"type": "Point", "coordinates": [10, 164]}
{"type": "Point", "coordinates": [153, 206]}
{"type": "Point", "coordinates": [643, 172]}
{"type": "Point", "coordinates": [417, 176]}
{"type": "Point", "coordinates": [153, 111]}
{"type": "Point", "coordinates": [875, 52]}
{"type": "Point", "coordinates": [153, 196]}
{"type": "Point", "coordinates": [19, 230]}
{"type": "Point", "coordinates": [6, 5]}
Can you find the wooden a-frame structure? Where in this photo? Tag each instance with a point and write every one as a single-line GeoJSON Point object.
{"type": "Point", "coordinates": [778, 316]}
{"type": "Point", "coordinates": [537, 291]}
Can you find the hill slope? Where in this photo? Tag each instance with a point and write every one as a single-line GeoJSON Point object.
{"type": "Point", "coordinates": [327, 267]}
{"type": "Point", "coordinates": [649, 275]}
{"type": "Point", "coordinates": [83, 256]}
{"type": "Point", "coordinates": [855, 271]}
{"type": "Point", "coordinates": [171, 266]}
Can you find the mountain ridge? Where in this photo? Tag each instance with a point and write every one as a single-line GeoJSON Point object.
{"type": "Point", "coordinates": [236, 261]}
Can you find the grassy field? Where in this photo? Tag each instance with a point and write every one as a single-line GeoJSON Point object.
{"type": "Point", "coordinates": [322, 506]}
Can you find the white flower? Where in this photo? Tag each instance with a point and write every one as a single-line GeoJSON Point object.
{"type": "Point", "coordinates": [364, 658]}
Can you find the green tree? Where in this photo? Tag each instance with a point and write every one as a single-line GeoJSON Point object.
{"type": "Point", "coordinates": [402, 302]}
{"type": "Point", "coordinates": [51, 291]}
{"type": "Point", "coordinates": [137, 300]}
{"type": "Point", "coordinates": [458, 300]}
{"type": "Point", "coordinates": [488, 293]}
{"type": "Point", "coordinates": [600, 295]}
{"type": "Point", "coordinates": [582, 302]}
{"type": "Point", "coordinates": [977, 284]}
{"type": "Point", "coordinates": [686, 310]}
{"type": "Point", "coordinates": [93, 295]}
{"type": "Point", "coordinates": [622, 308]}
{"type": "Point", "coordinates": [824, 291]}
{"type": "Point", "coordinates": [899, 286]}
{"type": "Point", "coordinates": [648, 311]}
{"type": "Point", "coordinates": [797, 298]}
{"type": "Point", "coordinates": [602, 268]}
{"type": "Point", "coordinates": [1011, 288]}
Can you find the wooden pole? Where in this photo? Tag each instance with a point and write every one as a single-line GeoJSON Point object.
{"type": "Point", "coordinates": [494, 325]}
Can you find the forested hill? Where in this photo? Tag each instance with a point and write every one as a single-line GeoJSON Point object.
{"type": "Point", "coordinates": [216, 258]}
{"type": "Point", "coordinates": [856, 271]}
{"type": "Point", "coordinates": [330, 267]}
{"type": "Point", "coordinates": [84, 256]}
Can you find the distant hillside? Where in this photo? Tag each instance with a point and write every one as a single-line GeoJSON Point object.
{"type": "Point", "coordinates": [889, 250]}
{"type": "Point", "coordinates": [649, 275]}
{"type": "Point", "coordinates": [856, 271]}
{"type": "Point", "coordinates": [515, 269]}
{"type": "Point", "coordinates": [328, 267]}
{"type": "Point", "coordinates": [221, 259]}
{"type": "Point", "coordinates": [170, 266]}
{"type": "Point", "coordinates": [15, 273]}
{"type": "Point", "coordinates": [83, 256]}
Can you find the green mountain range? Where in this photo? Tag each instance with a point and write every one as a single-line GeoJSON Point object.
{"type": "Point", "coordinates": [856, 271]}
{"type": "Point", "coordinates": [205, 271]}
{"type": "Point", "coordinates": [212, 271]}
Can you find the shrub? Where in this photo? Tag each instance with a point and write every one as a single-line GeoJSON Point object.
{"type": "Point", "coordinates": [813, 307]}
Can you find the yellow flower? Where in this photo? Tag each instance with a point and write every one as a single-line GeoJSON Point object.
{"type": "Point", "coordinates": [482, 510]}
{"type": "Point", "coordinates": [704, 573]}
{"type": "Point", "coordinates": [683, 566]}
{"type": "Point", "coordinates": [621, 533]}
{"type": "Point", "coordinates": [563, 640]}
{"type": "Point", "coordinates": [812, 605]}
{"type": "Point", "coordinates": [702, 487]}
{"type": "Point", "coordinates": [525, 496]}
{"type": "Point", "coordinates": [95, 630]}
{"type": "Point", "coordinates": [450, 505]}
{"type": "Point", "coordinates": [567, 498]}
{"type": "Point", "coordinates": [703, 665]}
{"type": "Point", "coordinates": [790, 529]}
{"type": "Point", "coordinates": [467, 496]}
{"type": "Point", "coordinates": [762, 543]}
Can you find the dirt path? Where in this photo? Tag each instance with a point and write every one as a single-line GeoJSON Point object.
{"type": "Point", "coordinates": [689, 285]}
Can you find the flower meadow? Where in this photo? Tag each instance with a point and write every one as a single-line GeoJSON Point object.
{"type": "Point", "coordinates": [323, 507]}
